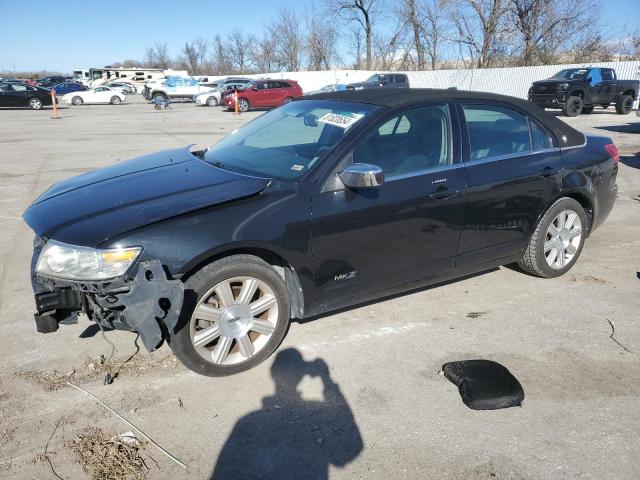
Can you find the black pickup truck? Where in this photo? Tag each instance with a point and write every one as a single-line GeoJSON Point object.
{"type": "Point", "coordinates": [579, 90]}
{"type": "Point", "coordinates": [381, 80]}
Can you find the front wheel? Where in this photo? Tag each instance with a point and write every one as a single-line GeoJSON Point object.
{"type": "Point", "coordinates": [77, 100]}
{"type": "Point", "coordinates": [212, 101]}
{"type": "Point", "coordinates": [557, 241]}
{"type": "Point", "coordinates": [624, 104]}
{"type": "Point", "coordinates": [235, 314]}
{"type": "Point", "coordinates": [573, 107]}
{"type": "Point", "coordinates": [243, 105]}
{"type": "Point", "coordinates": [115, 100]}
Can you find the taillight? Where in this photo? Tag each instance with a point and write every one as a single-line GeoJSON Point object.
{"type": "Point", "coordinates": [613, 152]}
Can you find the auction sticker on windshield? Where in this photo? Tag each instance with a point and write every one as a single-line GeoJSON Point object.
{"type": "Point", "coordinates": [342, 120]}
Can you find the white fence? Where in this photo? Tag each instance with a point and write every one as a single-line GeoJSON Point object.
{"type": "Point", "coordinates": [514, 81]}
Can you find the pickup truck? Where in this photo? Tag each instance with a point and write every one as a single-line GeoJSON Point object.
{"type": "Point", "coordinates": [174, 87]}
{"type": "Point", "coordinates": [579, 90]}
{"type": "Point", "coordinates": [381, 80]}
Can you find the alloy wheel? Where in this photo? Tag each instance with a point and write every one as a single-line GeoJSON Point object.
{"type": "Point", "coordinates": [563, 239]}
{"type": "Point", "coordinates": [574, 106]}
{"type": "Point", "coordinates": [234, 320]}
{"type": "Point", "coordinates": [243, 105]}
{"type": "Point", "coordinates": [35, 103]}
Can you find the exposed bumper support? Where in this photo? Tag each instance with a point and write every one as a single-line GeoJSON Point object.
{"type": "Point", "coordinates": [148, 303]}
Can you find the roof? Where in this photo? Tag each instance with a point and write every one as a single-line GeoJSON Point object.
{"type": "Point", "coordinates": [396, 97]}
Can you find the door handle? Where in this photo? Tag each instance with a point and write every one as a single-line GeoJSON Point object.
{"type": "Point", "coordinates": [548, 171]}
{"type": "Point", "coordinates": [444, 194]}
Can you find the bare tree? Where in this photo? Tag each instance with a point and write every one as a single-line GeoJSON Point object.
{"type": "Point", "coordinates": [195, 55]}
{"type": "Point", "coordinates": [321, 42]}
{"type": "Point", "coordinates": [409, 12]}
{"type": "Point", "coordinates": [435, 29]}
{"type": "Point", "coordinates": [362, 12]}
{"type": "Point", "coordinates": [263, 55]}
{"type": "Point", "coordinates": [287, 39]}
{"type": "Point", "coordinates": [222, 61]}
{"type": "Point", "coordinates": [239, 47]}
{"type": "Point", "coordinates": [162, 58]}
{"type": "Point", "coordinates": [356, 48]}
{"type": "Point", "coordinates": [149, 57]}
{"type": "Point", "coordinates": [478, 26]}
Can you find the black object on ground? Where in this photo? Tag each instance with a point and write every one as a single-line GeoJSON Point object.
{"type": "Point", "coordinates": [484, 385]}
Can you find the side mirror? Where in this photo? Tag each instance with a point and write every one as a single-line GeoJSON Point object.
{"type": "Point", "coordinates": [362, 175]}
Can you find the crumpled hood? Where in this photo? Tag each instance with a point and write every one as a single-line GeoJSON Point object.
{"type": "Point", "coordinates": [90, 208]}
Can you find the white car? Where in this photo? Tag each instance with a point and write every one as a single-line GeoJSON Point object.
{"type": "Point", "coordinates": [213, 98]}
{"type": "Point", "coordinates": [95, 95]}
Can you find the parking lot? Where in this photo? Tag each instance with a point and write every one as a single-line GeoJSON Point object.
{"type": "Point", "coordinates": [580, 418]}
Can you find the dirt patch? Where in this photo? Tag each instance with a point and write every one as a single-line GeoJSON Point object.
{"type": "Point", "coordinates": [476, 314]}
{"type": "Point", "coordinates": [96, 369]}
{"type": "Point", "coordinates": [104, 457]}
{"type": "Point", "coordinates": [587, 279]}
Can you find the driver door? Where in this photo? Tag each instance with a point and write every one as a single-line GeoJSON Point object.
{"type": "Point", "coordinates": [595, 86]}
{"type": "Point", "coordinates": [404, 230]}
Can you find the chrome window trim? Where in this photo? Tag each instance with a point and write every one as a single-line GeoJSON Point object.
{"type": "Point", "coordinates": [511, 155]}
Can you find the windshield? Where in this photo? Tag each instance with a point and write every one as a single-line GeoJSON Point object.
{"type": "Point", "coordinates": [375, 78]}
{"type": "Point", "coordinates": [287, 142]}
{"type": "Point", "coordinates": [570, 74]}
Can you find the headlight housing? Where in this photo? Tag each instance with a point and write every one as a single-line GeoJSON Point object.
{"type": "Point", "coordinates": [72, 262]}
{"type": "Point", "coordinates": [562, 86]}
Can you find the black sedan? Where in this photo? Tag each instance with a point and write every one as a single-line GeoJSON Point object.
{"type": "Point", "coordinates": [21, 95]}
{"type": "Point", "coordinates": [322, 203]}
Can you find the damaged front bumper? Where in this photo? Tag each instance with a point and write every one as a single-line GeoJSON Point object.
{"type": "Point", "coordinates": [145, 301]}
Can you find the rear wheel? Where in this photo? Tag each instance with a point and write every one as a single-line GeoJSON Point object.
{"type": "Point", "coordinates": [573, 107]}
{"type": "Point", "coordinates": [77, 100]}
{"type": "Point", "coordinates": [287, 100]}
{"type": "Point", "coordinates": [115, 100]}
{"type": "Point", "coordinates": [159, 95]}
{"type": "Point", "coordinates": [235, 314]}
{"type": "Point", "coordinates": [624, 104]}
{"type": "Point", "coordinates": [588, 109]}
{"type": "Point", "coordinates": [212, 101]}
{"type": "Point", "coordinates": [557, 240]}
{"type": "Point", "coordinates": [35, 104]}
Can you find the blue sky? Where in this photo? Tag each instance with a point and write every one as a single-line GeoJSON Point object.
{"type": "Point", "coordinates": [64, 34]}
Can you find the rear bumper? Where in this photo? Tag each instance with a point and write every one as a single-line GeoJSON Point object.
{"type": "Point", "coordinates": [146, 301]}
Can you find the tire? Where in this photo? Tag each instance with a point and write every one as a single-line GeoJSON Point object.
{"type": "Point", "coordinates": [588, 109]}
{"type": "Point", "coordinates": [115, 100]}
{"type": "Point", "coordinates": [535, 260]}
{"type": "Point", "coordinates": [35, 104]}
{"type": "Point", "coordinates": [287, 100]}
{"type": "Point", "coordinates": [624, 105]}
{"type": "Point", "coordinates": [158, 95]}
{"type": "Point", "coordinates": [212, 101]}
{"type": "Point", "coordinates": [236, 321]}
{"type": "Point", "coordinates": [77, 100]}
{"type": "Point", "coordinates": [243, 104]}
{"type": "Point", "coordinates": [573, 107]}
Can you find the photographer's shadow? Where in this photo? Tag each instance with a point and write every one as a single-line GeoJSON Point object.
{"type": "Point", "coordinates": [292, 438]}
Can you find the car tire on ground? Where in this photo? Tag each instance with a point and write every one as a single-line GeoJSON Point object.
{"type": "Point", "coordinates": [35, 104]}
{"type": "Point", "coordinates": [287, 100]}
{"type": "Point", "coordinates": [624, 105]}
{"type": "Point", "coordinates": [77, 100]}
{"type": "Point", "coordinates": [573, 107]}
{"type": "Point", "coordinates": [243, 104]}
{"type": "Point", "coordinates": [557, 240]}
{"type": "Point", "coordinates": [157, 95]}
{"type": "Point", "coordinates": [115, 100]}
{"type": "Point", "coordinates": [212, 101]}
{"type": "Point", "coordinates": [588, 109]}
{"type": "Point", "coordinates": [235, 314]}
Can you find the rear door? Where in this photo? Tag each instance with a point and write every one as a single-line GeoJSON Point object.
{"type": "Point", "coordinates": [403, 230]}
{"type": "Point", "coordinates": [513, 172]}
{"type": "Point", "coordinates": [594, 82]}
{"type": "Point", "coordinates": [274, 94]}
{"type": "Point", "coordinates": [608, 90]}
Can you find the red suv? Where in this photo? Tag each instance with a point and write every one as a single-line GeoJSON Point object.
{"type": "Point", "coordinates": [264, 93]}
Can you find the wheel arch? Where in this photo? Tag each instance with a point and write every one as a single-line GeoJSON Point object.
{"type": "Point", "coordinates": [577, 93]}
{"type": "Point", "coordinates": [579, 196]}
{"type": "Point", "coordinates": [277, 261]}
{"type": "Point", "coordinates": [629, 91]}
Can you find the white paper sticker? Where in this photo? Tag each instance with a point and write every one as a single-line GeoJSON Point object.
{"type": "Point", "coordinates": [342, 120]}
{"type": "Point", "coordinates": [297, 168]}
